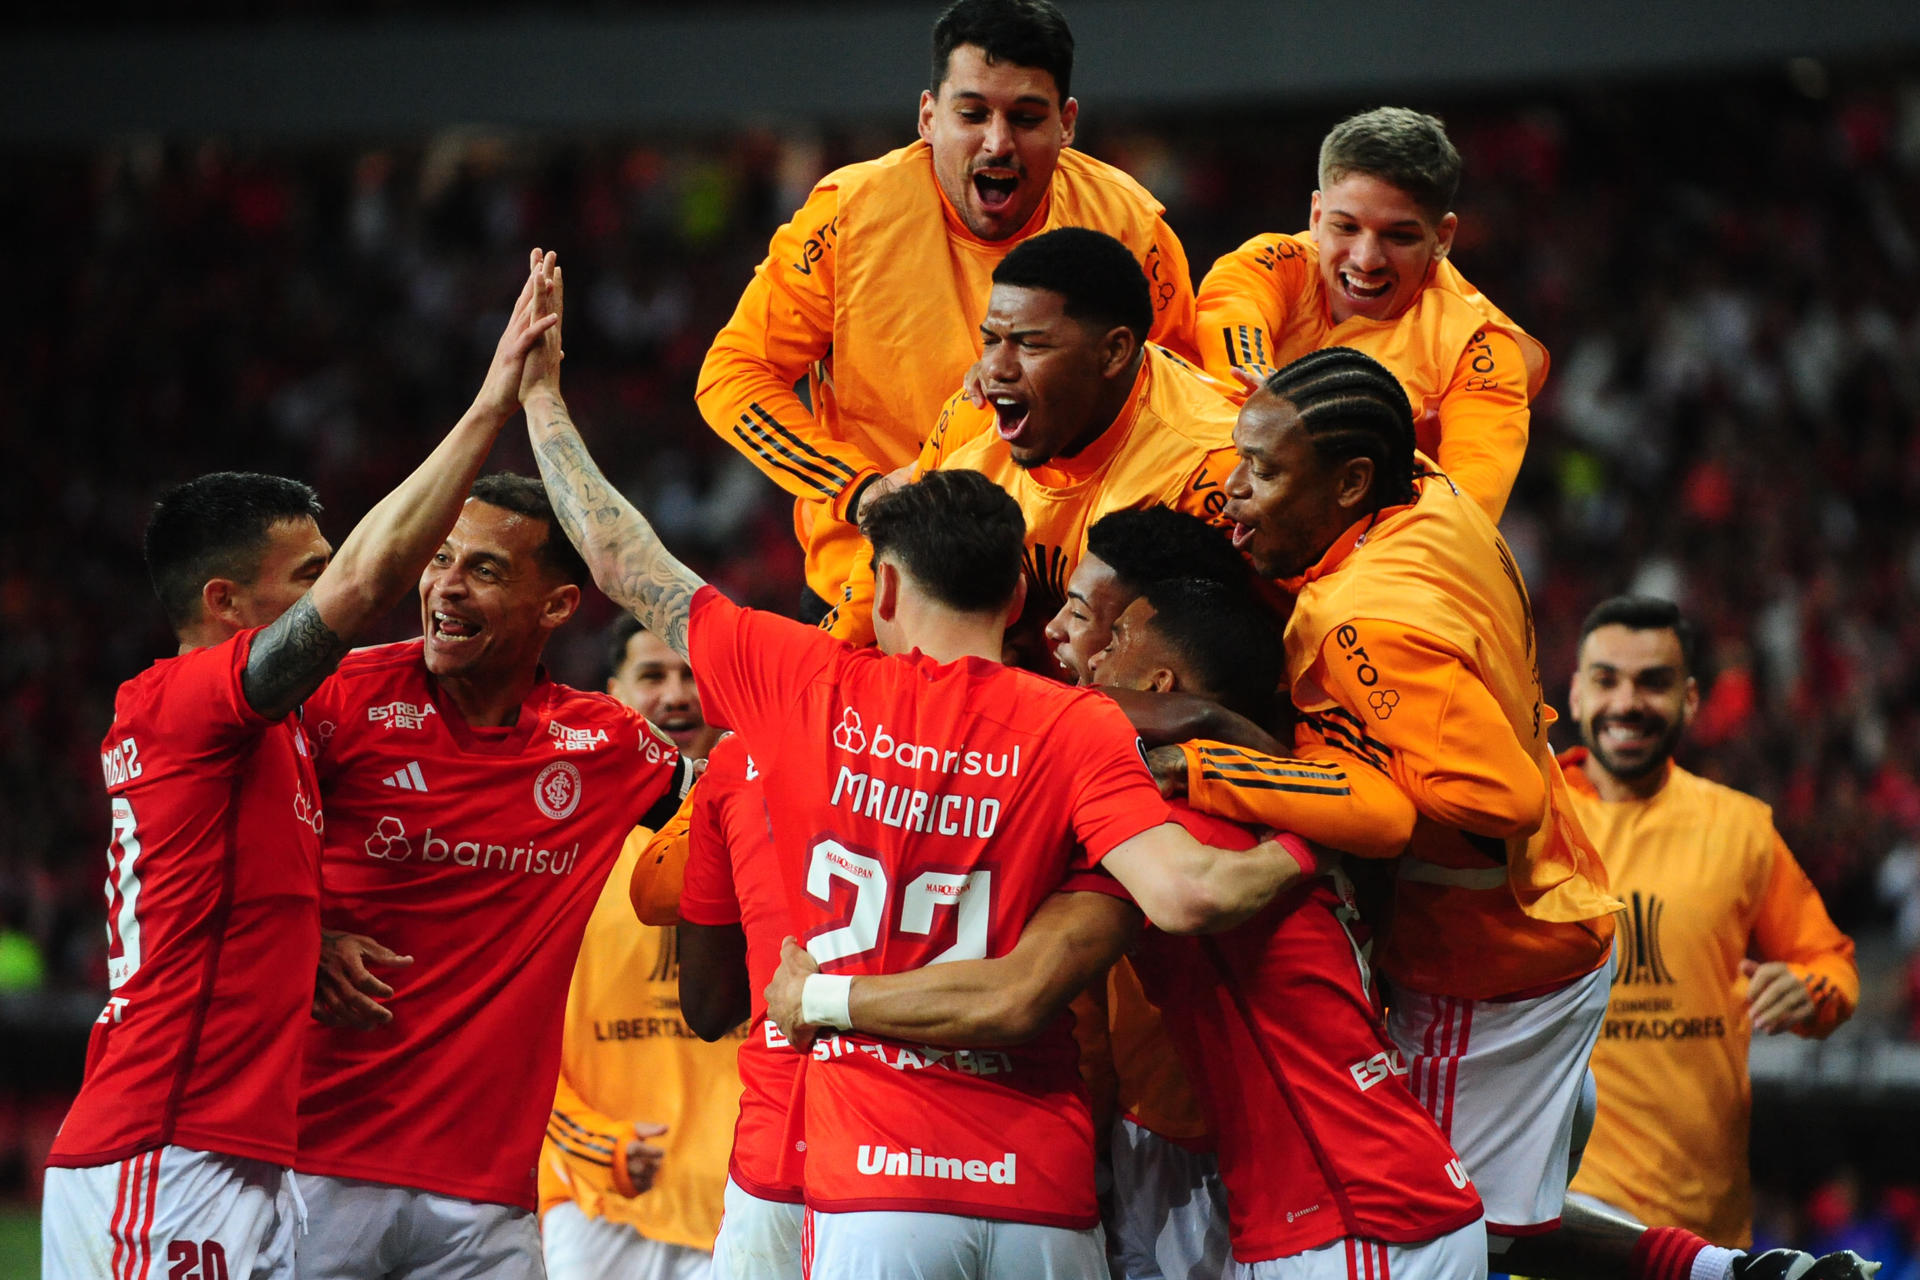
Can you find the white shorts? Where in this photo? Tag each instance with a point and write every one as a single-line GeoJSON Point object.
{"type": "Point", "coordinates": [885, 1245]}
{"type": "Point", "coordinates": [759, 1239]}
{"type": "Point", "coordinates": [582, 1248]}
{"type": "Point", "coordinates": [361, 1229]}
{"type": "Point", "coordinates": [1459, 1255]}
{"type": "Point", "coordinates": [1504, 1080]}
{"type": "Point", "coordinates": [188, 1215]}
{"type": "Point", "coordinates": [1169, 1216]}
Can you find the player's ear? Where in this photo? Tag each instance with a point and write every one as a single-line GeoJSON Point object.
{"type": "Point", "coordinates": [220, 601]}
{"type": "Point", "coordinates": [1116, 351]}
{"type": "Point", "coordinates": [886, 589]}
{"type": "Point", "coordinates": [1017, 601]}
{"type": "Point", "coordinates": [559, 605]}
{"type": "Point", "coordinates": [1690, 703]}
{"type": "Point", "coordinates": [1313, 215]}
{"type": "Point", "coordinates": [926, 116]}
{"type": "Point", "coordinates": [1443, 235]}
{"type": "Point", "coordinates": [1353, 482]}
{"type": "Point", "coordinates": [1069, 118]}
{"type": "Point", "coordinates": [1162, 680]}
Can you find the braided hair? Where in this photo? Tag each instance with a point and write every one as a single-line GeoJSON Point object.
{"type": "Point", "coordinates": [1352, 407]}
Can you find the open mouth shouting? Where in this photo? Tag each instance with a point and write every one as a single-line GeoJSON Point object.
{"type": "Point", "coordinates": [1010, 415]}
{"type": "Point", "coordinates": [995, 187]}
{"type": "Point", "coordinates": [1365, 294]}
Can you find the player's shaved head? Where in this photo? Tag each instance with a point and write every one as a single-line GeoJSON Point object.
{"type": "Point", "coordinates": [217, 526]}
{"type": "Point", "coordinates": [958, 535]}
{"type": "Point", "coordinates": [1098, 279]}
{"type": "Point", "coordinates": [1405, 148]}
{"type": "Point", "coordinates": [1026, 33]}
{"type": "Point", "coordinates": [526, 496]}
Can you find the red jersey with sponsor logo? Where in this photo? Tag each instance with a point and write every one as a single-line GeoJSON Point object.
{"type": "Point", "coordinates": [213, 921]}
{"type": "Point", "coordinates": [480, 853]}
{"type": "Point", "coordinates": [922, 812]}
{"type": "Point", "coordinates": [1318, 1137]}
{"type": "Point", "coordinates": [732, 878]}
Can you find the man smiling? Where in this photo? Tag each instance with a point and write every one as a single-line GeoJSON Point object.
{"type": "Point", "coordinates": [873, 291]}
{"type": "Point", "coordinates": [1372, 273]}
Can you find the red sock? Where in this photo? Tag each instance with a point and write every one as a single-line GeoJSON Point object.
{"type": "Point", "coordinates": [1665, 1253]}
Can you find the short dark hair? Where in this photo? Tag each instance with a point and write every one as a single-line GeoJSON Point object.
{"type": "Point", "coordinates": [1403, 148]}
{"type": "Point", "coordinates": [216, 526]}
{"type": "Point", "coordinates": [956, 533]}
{"type": "Point", "coordinates": [1151, 543]}
{"type": "Point", "coordinates": [1226, 636]}
{"type": "Point", "coordinates": [1026, 33]}
{"type": "Point", "coordinates": [526, 496]}
{"type": "Point", "coordinates": [618, 635]}
{"type": "Point", "coordinates": [1647, 613]}
{"type": "Point", "coordinates": [1353, 407]}
{"type": "Point", "coordinates": [1097, 277]}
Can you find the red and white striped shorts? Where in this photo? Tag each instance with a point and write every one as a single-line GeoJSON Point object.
{"type": "Point", "coordinates": [172, 1213]}
{"type": "Point", "coordinates": [1458, 1255]}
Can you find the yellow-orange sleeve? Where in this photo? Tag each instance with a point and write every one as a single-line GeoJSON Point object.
{"type": "Point", "coordinates": [1792, 924]}
{"type": "Point", "coordinates": [1452, 750]}
{"type": "Point", "coordinates": [782, 325]}
{"type": "Point", "coordinates": [1170, 277]}
{"type": "Point", "coordinates": [1243, 303]}
{"type": "Point", "coordinates": [1484, 420]}
{"type": "Point", "coordinates": [1325, 795]}
{"type": "Point", "coordinates": [591, 1143]}
{"type": "Point", "coordinates": [662, 868]}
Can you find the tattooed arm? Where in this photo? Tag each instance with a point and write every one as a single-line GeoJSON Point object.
{"type": "Point", "coordinates": [383, 556]}
{"type": "Point", "coordinates": [629, 562]}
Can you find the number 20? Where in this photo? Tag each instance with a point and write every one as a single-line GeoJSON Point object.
{"type": "Point", "coordinates": [969, 894]}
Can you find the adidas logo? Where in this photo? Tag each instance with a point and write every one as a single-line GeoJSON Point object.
{"type": "Point", "coordinates": [407, 779]}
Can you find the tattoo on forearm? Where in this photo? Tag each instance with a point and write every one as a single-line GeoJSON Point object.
{"type": "Point", "coordinates": [627, 558]}
{"type": "Point", "coordinates": [289, 660]}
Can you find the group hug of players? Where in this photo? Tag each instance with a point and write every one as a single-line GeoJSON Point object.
{"type": "Point", "coordinates": [1170, 665]}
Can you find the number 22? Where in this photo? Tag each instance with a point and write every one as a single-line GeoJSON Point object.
{"type": "Point", "coordinates": [968, 893]}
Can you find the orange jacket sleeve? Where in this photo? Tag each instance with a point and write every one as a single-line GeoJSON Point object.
{"type": "Point", "coordinates": [782, 325]}
{"type": "Point", "coordinates": [662, 868]}
{"type": "Point", "coordinates": [1484, 417]}
{"type": "Point", "coordinates": [590, 1137]}
{"type": "Point", "coordinates": [1793, 925]}
{"type": "Point", "coordinates": [1453, 751]}
{"type": "Point", "coordinates": [1324, 794]}
{"type": "Point", "coordinates": [1171, 279]}
{"type": "Point", "coordinates": [1243, 303]}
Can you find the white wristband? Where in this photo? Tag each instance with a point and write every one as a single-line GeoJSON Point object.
{"type": "Point", "coordinates": [823, 1000]}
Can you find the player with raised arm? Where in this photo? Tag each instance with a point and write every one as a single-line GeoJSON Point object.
{"type": "Point", "coordinates": [1084, 415]}
{"type": "Point", "coordinates": [175, 1153]}
{"type": "Point", "coordinates": [1412, 637]}
{"type": "Point", "coordinates": [636, 1084]}
{"type": "Point", "coordinates": [1372, 273]}
{"type": "Point", "coordinates": [1331, 1168]}
{"type": "Point", "coordinates": [873, 290]}
{"type": "Point", "coordinates": [929, 799]}
{"type": "Point", "coordinates": [1723, 934]}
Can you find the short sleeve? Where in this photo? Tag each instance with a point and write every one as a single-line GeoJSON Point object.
{"type": "Point", "coordinates": [707, 894]}
{"type": "Point", "coordinates": [751, 666]}
{"type": "Point", "coordinates": [1114, 797]}
{"type": "Point", "coordinates": [205, 707]}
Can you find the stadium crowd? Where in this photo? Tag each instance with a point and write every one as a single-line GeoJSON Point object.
{"type": "Point", "coordinates": [307, 312]}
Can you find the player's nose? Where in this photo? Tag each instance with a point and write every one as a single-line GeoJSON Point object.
{"type": "Point", "coordinates": [1368, 254]}
{"type": "Point", "coordinates": [997, 138]}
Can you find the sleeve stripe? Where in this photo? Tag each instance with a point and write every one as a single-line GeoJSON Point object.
{"type": "Point", "coordinates": [1233, 353]}
{"type": "Point", "coordinates": [1259, 347]}
{"type": "Point", "coordinates": [820, 460]}
{"type": "Point", "coordinates": [1242, 782]}
{"type": "Point", "coordinates": [579, 1132]}
{"type": "Point", "coordinates": [591, 1157]}
{"type": "Point", "coordinates": [1272, 767]}
{"type": "Point", "coordinates": [752, 442]}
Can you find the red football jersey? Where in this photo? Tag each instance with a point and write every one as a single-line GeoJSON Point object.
{"type": "Point", "coordinates": [480, 853]}
{"type": "Point", "coordinates": [732, 878]}
{"type": "Point", "coordinates": [213, 921]}
{"type": "Point", "coordinates": [922, 813]}
{"type": "Point", "coordinates": [1317, 1135]}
